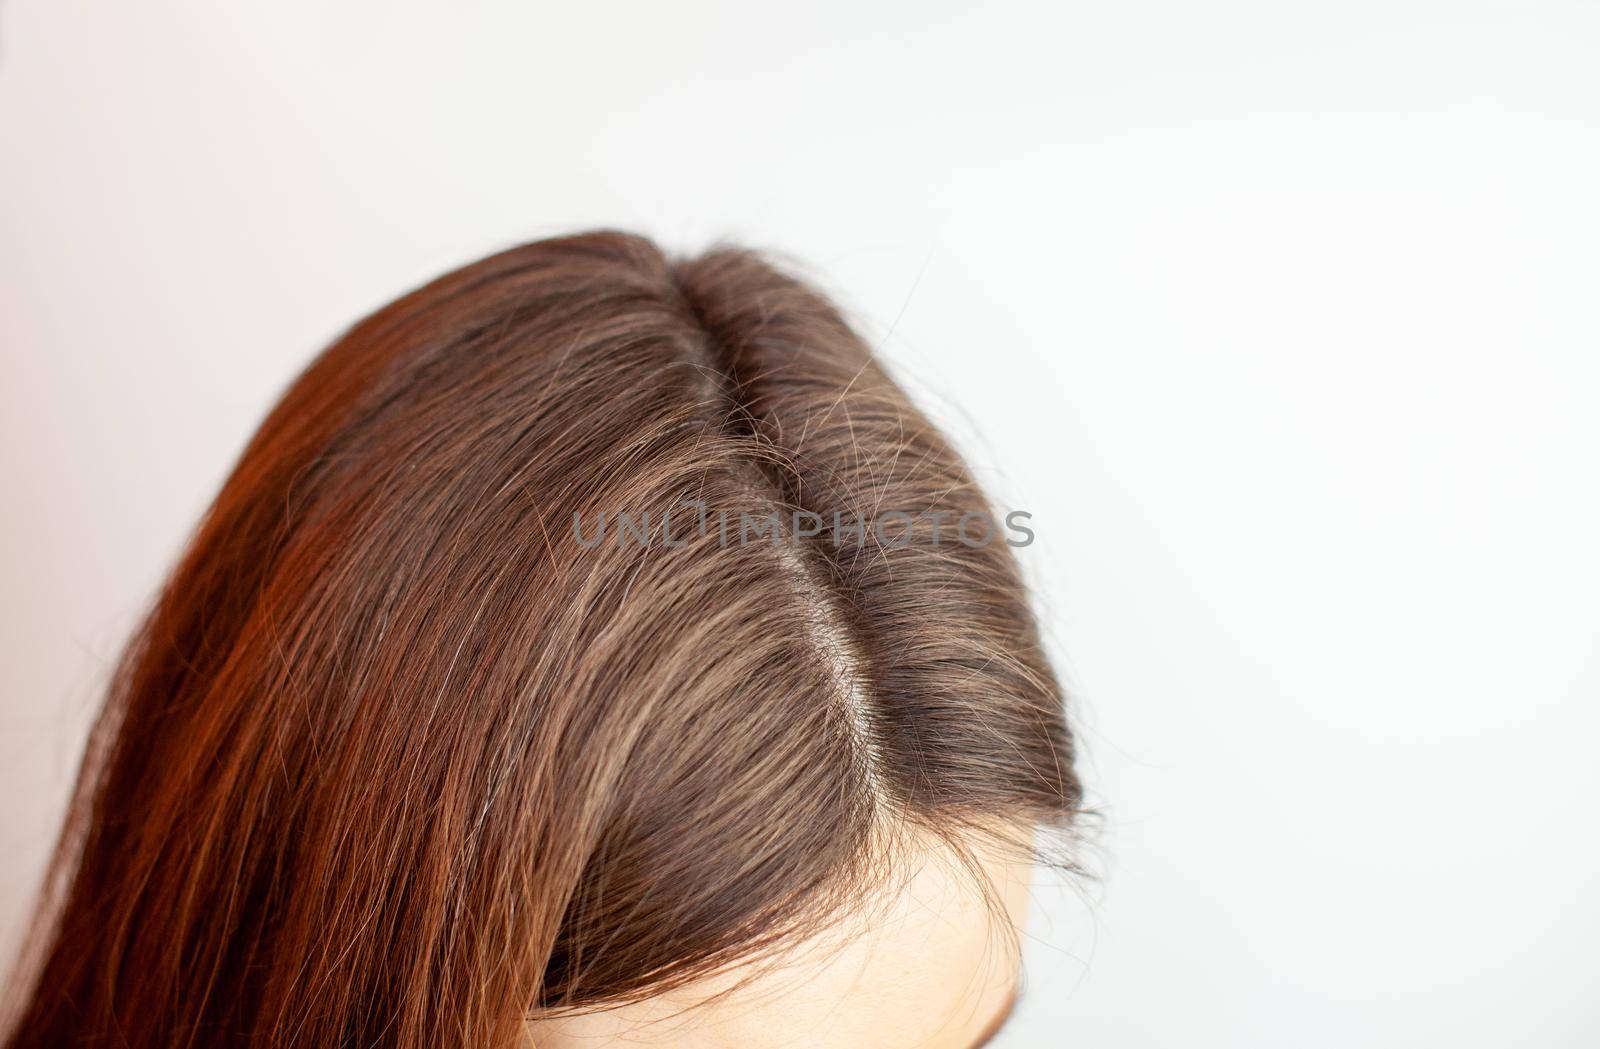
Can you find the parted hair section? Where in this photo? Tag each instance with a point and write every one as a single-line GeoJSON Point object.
{"type": "Point", "coordinates": [403, 756]}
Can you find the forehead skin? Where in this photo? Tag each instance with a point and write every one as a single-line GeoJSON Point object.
{"type": "Point", "coordinates": [931, 963]}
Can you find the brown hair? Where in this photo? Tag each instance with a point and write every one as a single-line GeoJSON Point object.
{"type": "Point", "coordinates": [402, 756]}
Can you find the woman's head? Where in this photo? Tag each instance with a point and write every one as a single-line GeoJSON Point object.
{"type": "Point", "coordinates": [584, 630]}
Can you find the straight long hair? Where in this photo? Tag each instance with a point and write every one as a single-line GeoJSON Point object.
{"type": "Point", "coordinates": [402, 756]}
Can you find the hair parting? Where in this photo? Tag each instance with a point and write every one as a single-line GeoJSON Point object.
{"type": "Point", "coordinates": [396, 760]}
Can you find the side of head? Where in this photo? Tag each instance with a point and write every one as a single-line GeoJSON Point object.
{"type": "Point", "coordinates": [506, 677]}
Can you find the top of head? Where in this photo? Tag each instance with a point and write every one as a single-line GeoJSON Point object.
{"type": "Point", "coordinates": [459, 753]}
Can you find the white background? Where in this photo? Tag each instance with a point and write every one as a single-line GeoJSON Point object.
{"type": "Point", "coordinates": [1280, 317]}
